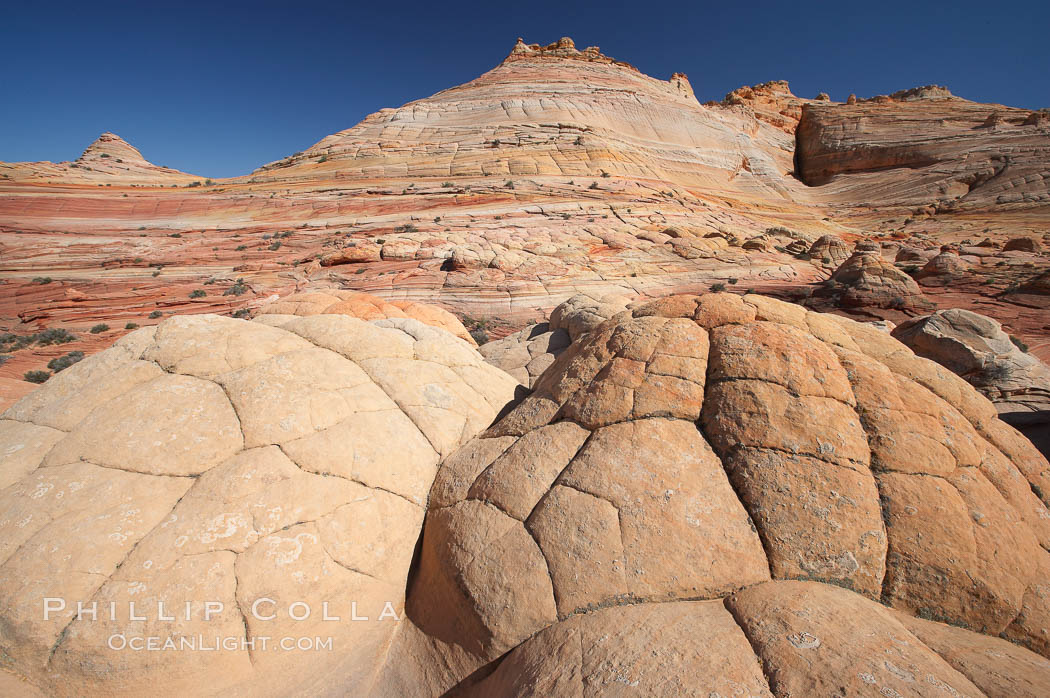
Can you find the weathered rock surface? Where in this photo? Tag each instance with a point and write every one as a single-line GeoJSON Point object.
{"type": "Point", "coordinates": [975, 347]}
{"type": "Point", "coordinates": [923, 149]}
{"type": "Point", "coordinates": [942, 269]}
{"type": "Point", "coordinates": [702, 494]}
{"type": "Point", "coordinates": [830, 250]}
{"type": "Point", "coordinates": [528, 353]}
{"type": "Point", "coordinates": [218, 460]}
{"type": "Point", "coordinates": [867, 280]}
{"type": "Point", "coordinates": [110, 159]}
{"type": "Point", "coordinates": [693, 446]}
{"type": "Point", "coordinates": [364, 307]}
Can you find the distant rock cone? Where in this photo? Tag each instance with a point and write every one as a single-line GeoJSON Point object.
{"type": "Point", "coordinates": [866, 279]}
{"type": "Point", "coordinates": [110, 145]}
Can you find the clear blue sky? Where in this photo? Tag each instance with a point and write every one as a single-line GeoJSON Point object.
{"type": "Point", "coordinates": [219, 88]}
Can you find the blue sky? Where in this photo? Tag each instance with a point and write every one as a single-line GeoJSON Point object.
{"type": "Point", "coordinates": [219, 88]}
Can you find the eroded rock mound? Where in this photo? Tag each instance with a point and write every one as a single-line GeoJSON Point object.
{"type": "Point", "coordinates": [975, 347]}
{"type": "Point", "coordinates": [1023, 244]}
{"type": "Point", "coordinates": [943, 269]}
{"type": "Point", "coordinates": [867, 279]}
{"type": "Point", "coordinates": [829, 249]}
{"type": "Point", "coordinates": [213, 460]}
{"type": "Point", "coordinates": [528, 353]}
{"type": "Point", "coordinates": [692, 447]}
{"type": "Point", "coordinates": [363, 306]}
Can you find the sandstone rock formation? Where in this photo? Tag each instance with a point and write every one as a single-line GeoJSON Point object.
{"type": "Point", "coordinates": [362, 306]}
{"type": "Point", "coordinates": [830, 250]}
{"type": "Point", "coordinates": [772, 102]}
{"type": "Point", "coordinates": [975, 347]}
{"type": "Point", "coordinates": [702, 494]}
{"type": "Point", "coordinates": [560, 171]}
{"type": "Point", "coordinates": [867, 280]}
{"type": "Point", "coordinates": [110, 159]}
{"type": "Point", "coordinates": [1023, 244]}
{"type": "Point", "coordinates": [943, 268]}
{"type": "Point", "coordinates": [218, 460]}
{"type": "Point", "coordinates": [691, 447]}
{"type": "Point", "coordinates": [1038, 285]}
{"type": "Point", "coordinates": [528, 353]}
{"type": "Point", "coordinates": [922, 147]}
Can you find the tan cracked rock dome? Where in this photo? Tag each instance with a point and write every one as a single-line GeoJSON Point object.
{"type": "Point", "coordinates": [219, 460]}
{"type": "Point", "coordinates": [702, 495]}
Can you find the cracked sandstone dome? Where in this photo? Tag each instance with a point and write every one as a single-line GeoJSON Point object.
{"type": "Point", "coordinates": [221, 460]}
{"type": "Point", "coordinates": [703, 495]}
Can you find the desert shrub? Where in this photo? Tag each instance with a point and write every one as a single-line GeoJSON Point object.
{"type": "Point", "coordinates": [64, 362]}
{"type": "Point", "coordinates": [99, 328]}
{"type": "Point", "coordinates": [4, 358]}
{"type": "Point", "coordinates": [594, 185]}
{"type": "Point", "coordinates": [1019, 344]}
{"type": "Point", "coordinates": [240, 248]}
{"type": "Point", "coordinates": [13, 342]}
{"type": "Point", "coordinates": [508, 184]}
{"type": "Point", "coordinates": [274, 246]}
{"type": "Point", "coordinates": [718, 287]}
{"type": "Point", "coordinates": [198, 293]}
{"type": "Point", "coordinates": [241, 313]}
{"type": "Point", "coordinates": [37, 376]}
{"type": "Point", "coordinates": [155, 314]}
{"type": "Point", "coordinates": [733, 281]}
{"type": "Point", "coordinates": [480, 335]}
{"type": "Point", "coordinates": [406, 228]}
{"type": "Point", "coordinates": [53, 336]}
{"type": "Point", "coordinates": [42, 280]}
{"type": "Point", "coordinates": [238, 289]}
{"type": "Point", "coordinates": [447, 185]}
{"type": "Point", "coordinates": [131, 326]}
{"type": "Point", "coordinates": [175, 235]}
